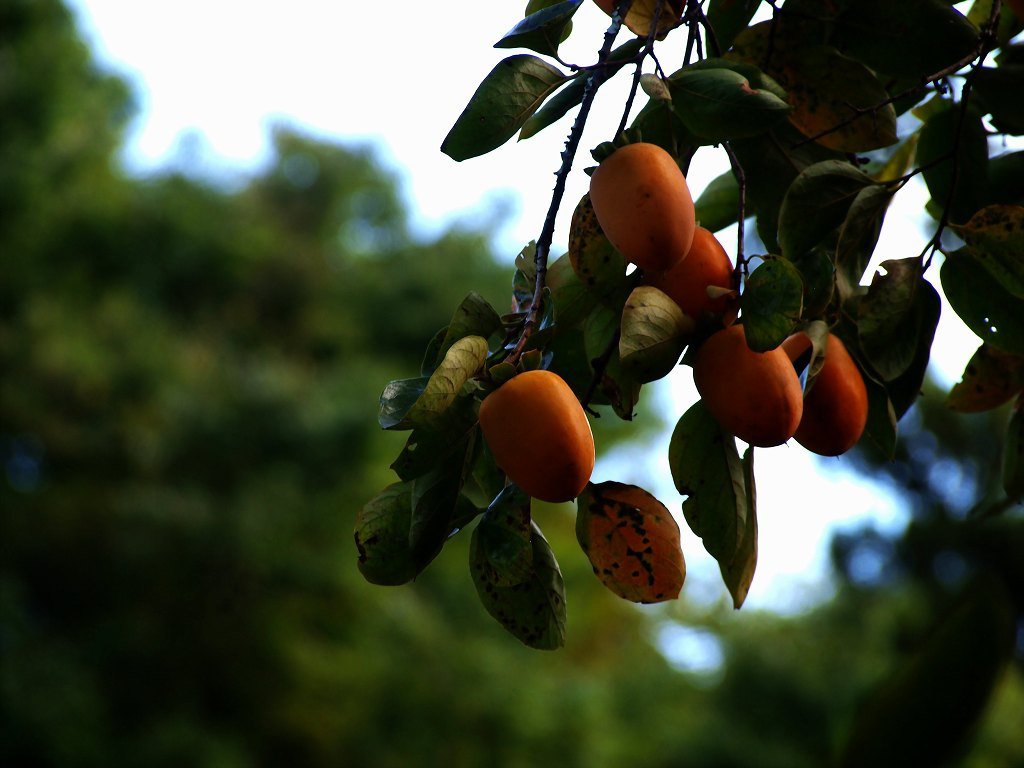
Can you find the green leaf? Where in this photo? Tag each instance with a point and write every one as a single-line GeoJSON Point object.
{"type": "Point", "coordinates": [858, 236]}
{"type": "Point", "coordinates": [729, 17]}
{"type": "Point", "coordinates": [1006, 178]}
{"type": "Point", "coordinates": [771, 303]}
{"type": "Point", "coordinates": [1013, 454]}
{"type": "Point", "coordinates": [654, 332]}
{"type": "Point", "coordinates": [817, 203]}
{"type": "Point", "coordinates": [501, 554]}
{"type": "Point", "coordinates": [888, 323]}
{"type": "Point", "coordinates": [981, 301]}
{"type": "Point", "coordinates": [906, 388]}
{"type": "Point", "coordinates": [995, 237]}
{"type": "Point", "coordinates": [718, 205]}
{"type": "Point", "coordinates": [738, 573]}
{"type": "Point", "coordinates": [473, 317]}
{"type": "Point", "coordinates": [910, 38]}
{"type": "Point", "coordinates": [632, 542]}
{"type": "Point", "coordinates": [834, 97]}
{"type": "Point", "coordinates": [397, 400]}
{"type": "Point", "coordinates": [463, 360]}
{"type": "Point", "coordinates": [659, 123]}
{"type": "Point", "coordinates": [572, 301]}
{"type": "Point", "coordinates": [600, 333]}
{"type": "Point", "coordinates": [510, 93]}
{"type": "Point", "coordinates": [990, 379]}
{"type": "Point", "coordinates": [954, 146]}
{"type": "Point", "coordinates": [720, 104]}
{"type": "Point", "coordinates": [771, 163]}
{"type": "Point", "coordinates": [572, 94]}
{"type": "Point", "coordinates": [881, 427]}
{"type": "Point", "coordinates": [425, 446]}
{"type": "Point", "coordinates": [998, 90]}
{"type": "Point", "coordinates": [438, 506]}
{"type": "Point", "coordinates": [543, 30]}
{"type": "Point", "coordinates": [532, 610]}
{"type": "Point", "coordinates": [818, 275]}
{"type": "Point", "coordinates": [707, 469]}
{"type": "Point", "coordinates": [382, 537]}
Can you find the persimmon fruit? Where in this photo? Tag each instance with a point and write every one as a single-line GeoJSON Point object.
{"type": "Point", "coordinates": [754, 395]}
{"type": "Point", "coordinates": [644, 206]}
{"type": "Point", "coordinates": [686, 283]}
{"type": "Point", "coordinates": [539, 435]}
{"type": "Point", "coordinates": [836, 405]}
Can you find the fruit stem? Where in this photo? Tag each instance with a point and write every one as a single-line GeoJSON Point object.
{"type": "Point", "coordinates": [597, 77]}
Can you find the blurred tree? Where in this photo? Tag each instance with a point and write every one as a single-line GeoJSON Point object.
{"type": "Point", "coordinates": [184, 440]}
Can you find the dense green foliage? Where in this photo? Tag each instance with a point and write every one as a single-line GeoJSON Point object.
{"type": "Point", "coordinates": [187, 432]}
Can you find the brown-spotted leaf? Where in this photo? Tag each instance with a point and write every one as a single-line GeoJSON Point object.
{"type": "Point", "coordinates": [632, 541]}
{"type": "Point", "coordinates": [501, 554]}
{"type": "Point", "coordinates": [995, 237]}
{"type": "Point", "coordinates": [600, 267]}
{"type": "Point", "coordinates": [834, 97]}
{"type": "Point", "coordinates": [991, 378]}
{"type": "Point", "coordinates": [534, 609]}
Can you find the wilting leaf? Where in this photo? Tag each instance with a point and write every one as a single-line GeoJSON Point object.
{"type": "Point", "coordinates": [817, 203]}
{"type": "Point", "coordinates": [981, 301]}
{"type": "Point", "coordinates": [772, 303]}
{"type": "Point", "coordinates": [632, 542]}
{"type": "Point", "coordinates": [738, 573]}
{"type": "Point", "coordinates": [706, 468]}
{"type": "Point", "coordinates": [510, 93]}
{"type": "Point", "coordinates": [654, 332]}
{"type": "Point", "coordinates": [990, 379]}
{"type": "Point", "coordinates": [995, 237]}
{"type": "Point", "coordinates": [532, 610]}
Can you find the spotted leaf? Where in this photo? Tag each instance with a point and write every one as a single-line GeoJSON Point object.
{"type": "Point", "coordinates": [632, 541]}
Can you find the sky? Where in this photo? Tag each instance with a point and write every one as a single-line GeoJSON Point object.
{"type": "Point", "coordinates": [213, 76]}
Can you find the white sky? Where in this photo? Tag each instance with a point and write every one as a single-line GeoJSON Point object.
{"type": "Point", "coordinates": [398, 75]}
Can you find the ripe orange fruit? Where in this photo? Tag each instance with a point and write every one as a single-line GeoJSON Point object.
{"type": "Point", "coordinates": [836, 406]}
{"type": "Point", "coordinates": [643, 204]}
{"type": "Point", "coordinates": [754, 395]}
{"type": "Point", "coordinates": [686, 282]}
{"type": "Point", "coordinates": [539, 435]}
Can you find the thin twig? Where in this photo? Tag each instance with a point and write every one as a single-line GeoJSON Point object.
{"type": "Point", "coordinates": [741, 181]}
{"type": "Point", "coordinates": [595, 79]}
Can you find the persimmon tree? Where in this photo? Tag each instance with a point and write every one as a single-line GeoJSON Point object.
{"type": "Point", "coordinates": [825, 111]}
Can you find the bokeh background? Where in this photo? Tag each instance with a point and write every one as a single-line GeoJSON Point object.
{"type": "Point", "coordinates": [189, 370]}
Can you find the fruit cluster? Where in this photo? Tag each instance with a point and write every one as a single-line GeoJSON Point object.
{"type": "Point", "coordinates": [534, 424]}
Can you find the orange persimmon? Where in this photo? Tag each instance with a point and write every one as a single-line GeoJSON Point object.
{"type": "Point", "coordinates": [754, 395]}
{"type": "Point", "coordinates": [539, 435]}
{"type": "Point", "coordinates": [644, 206]}
{"type": "Point", "coordinates": [836, 405]}
{"type": "Point", "coordinates": [686, 283]}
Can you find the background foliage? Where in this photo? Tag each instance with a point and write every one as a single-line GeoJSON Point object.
{"type": "Point", "coordinates": [186, 431]}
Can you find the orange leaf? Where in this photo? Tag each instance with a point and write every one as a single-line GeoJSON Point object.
{"type": "Point", "coordinates": [632, 542]}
